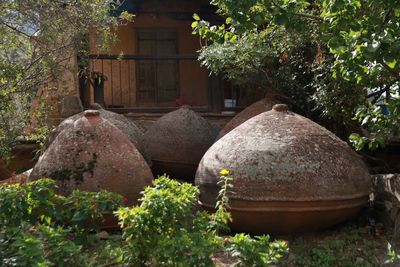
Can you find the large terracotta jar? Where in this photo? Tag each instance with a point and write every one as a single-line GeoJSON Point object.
{"type": "Point", "coordinates": [127, 126]}
{"type": "Point", "coordinates": [93, 154]}
{"type": "Point", "coordinates": [177, 142]}
{"type": "Point", "coordinates": [17, 179]}
{"type": "Point", "coordinates": [289, 175]}
{"type": "Point", "coordinates": [254, 109]}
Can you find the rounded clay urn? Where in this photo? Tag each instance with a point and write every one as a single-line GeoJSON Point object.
{"type": "Point", "coordinates": [93, 154]}
{"type": "Point", "coordinates": [177, 142]}
{"type": "Point", "coordinates": [127, 126]}
{"type": "Point", "coordinates": [290, 175]}
{"type": "Point", "coordinates": [254, 109]}
{"type": "Point", "coordinates": [17, 179]}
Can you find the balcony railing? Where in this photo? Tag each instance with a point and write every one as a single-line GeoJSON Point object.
{"type": "Point", "coordinates": [118, 83]}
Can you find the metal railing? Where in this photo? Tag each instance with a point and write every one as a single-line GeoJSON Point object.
{"type": "Point", "coordinates": [114, 83]}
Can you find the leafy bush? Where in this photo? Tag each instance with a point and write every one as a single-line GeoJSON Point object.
{"type": "Point", "coordinates": [168, 229]}
{"type": "Point", "coordinates": [29, 202]}
{"type": "Point", "coordinates": [38, 227]}
{"type": "Point", "coordinates": [258, 251]}
{"type": "Point", "coordinates": [39, 245]}
{"type": "Point", "coordinates": [37, 202]}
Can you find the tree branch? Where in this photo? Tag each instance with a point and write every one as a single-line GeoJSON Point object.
{"type": "Point", "coordinates": [377, 95]}
{"type": "Point", "coordinates": [15, 29]}
{"type": "Point", "coordinates": [392, 72]}
{"type": "Point", "coordinates": [380, 92]}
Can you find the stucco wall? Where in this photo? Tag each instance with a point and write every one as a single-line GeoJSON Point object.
{"type": "Point", "coordinates": [193, 79]}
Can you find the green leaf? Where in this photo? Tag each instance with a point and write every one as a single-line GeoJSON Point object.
{"type": "Point", "coordinates": [392, 64]}
{"type": "Point", "coordinates": [194, 24]}
{"type": "Point", "coordinates": [365, 120]}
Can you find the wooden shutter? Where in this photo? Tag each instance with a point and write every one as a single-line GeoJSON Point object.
{"type": "Point", "coordinates": [167, 70]}
{"type": "Point", "coordinates": [147, 76]}
{"type": "Point", "coordinates": [157, 79]}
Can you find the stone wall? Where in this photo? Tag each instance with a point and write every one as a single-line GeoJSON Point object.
{"type": "Point", "coordinates": [387, 201]}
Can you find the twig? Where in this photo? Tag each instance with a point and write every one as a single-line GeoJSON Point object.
{"type": "Point", "coordinates": [15, 29]}
{"type": "Point", "coordinates": [380, 92]}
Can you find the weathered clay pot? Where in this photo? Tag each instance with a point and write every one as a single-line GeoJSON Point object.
{"type": "Point", "coordinates": [289, 175]}
{"type": "Point", "coordinates": [177, 142]}
{"type": "Point", "coordinates": [254, 109]}
{"type": "Point", "coordinates": [127, 126]}
{"type": "Point", "coordinates": [93, 154]}
{"type": "Point", "coordinates": [17, 179]}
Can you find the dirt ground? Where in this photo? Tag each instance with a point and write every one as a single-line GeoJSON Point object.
{"type": "Point", "coordinates": [353, 244]}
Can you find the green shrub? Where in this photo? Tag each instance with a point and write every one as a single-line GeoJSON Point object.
{"type": "Point", "coordinates": [39, 245]}
{"type": "Point", "coordinates": [29, 202]}
{"type": "Point", "coordinates": [83, 209]}
{"type": "Point", "coordinates": [37, 202]}
{"type": "Point", "coordinates": [257, 251]}
{"type": "Point", "coordinates": [38, 227]}
{"type": "Point", "coordinates": [168, 229]}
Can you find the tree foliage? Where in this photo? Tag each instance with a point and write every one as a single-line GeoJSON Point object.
{"type": "Point", "coordinates": [37, 38]}
{"type": "Point", "coordinates": [348, 55]}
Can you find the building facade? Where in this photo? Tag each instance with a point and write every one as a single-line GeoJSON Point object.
{"type": "Point", "coordinates": [153, 66]}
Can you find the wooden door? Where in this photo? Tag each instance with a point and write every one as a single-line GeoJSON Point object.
{"type": "Point", "coordinates": [158, 79]}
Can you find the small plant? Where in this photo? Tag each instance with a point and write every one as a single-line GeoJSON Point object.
{"type": "Point", "coordinates": [168, 229]}
{"type": "Point", "coordinates": [37, 202]}
{"type": "Point", "coordinates": [221, 218]}
{"type": "Point", "coordinates": [391, 255]}
{"type": "Point", "coordinates": [257, 251]}
{"type": "Point", "coordinates": [38, 227]}
{"type": "Point", "coordinates": [39, 245]}
{"type": "Point", "coordinates": [82, 209]}
{"type": "Point", "coordinates": [29, 202]}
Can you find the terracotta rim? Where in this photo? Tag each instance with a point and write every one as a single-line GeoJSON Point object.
{"type": "Point", "coordinates": [292, 206]}
{"type": "Point", "coordinates": [210, 191]}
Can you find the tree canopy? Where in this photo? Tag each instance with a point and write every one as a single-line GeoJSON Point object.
{"type": "Point", "coordinates": [340, 55]}
{"type": "Point", "coordinates": [37, 38]}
